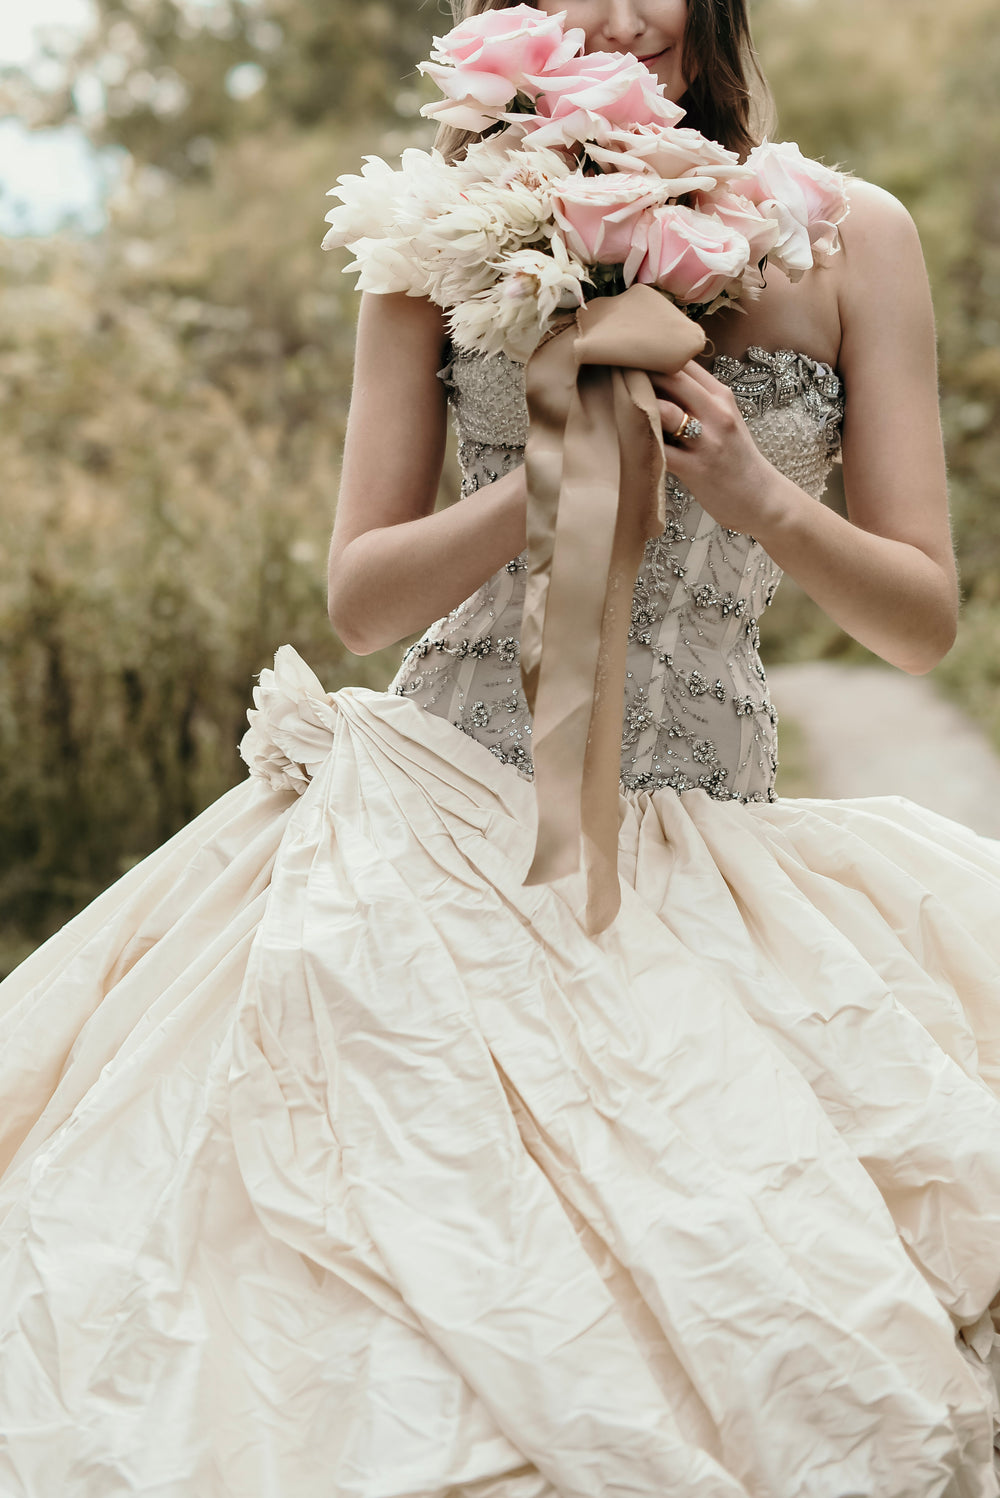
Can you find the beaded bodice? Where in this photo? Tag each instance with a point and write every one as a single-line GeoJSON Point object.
{"type": "Point", "coordinates": [696, 711]}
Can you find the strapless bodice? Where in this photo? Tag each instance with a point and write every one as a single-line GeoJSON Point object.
{"type": "Point", "coordinates": [696, 711]}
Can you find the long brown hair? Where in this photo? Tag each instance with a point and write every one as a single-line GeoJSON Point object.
{"type": "Point", "coordinates": [728, 98]}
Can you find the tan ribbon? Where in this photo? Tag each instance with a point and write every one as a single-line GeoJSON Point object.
{"type": "Point", "coordinates": [595, 474]}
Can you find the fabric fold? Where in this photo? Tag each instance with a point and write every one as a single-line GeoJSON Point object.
{"type": "Point", "coordinates": [595, 472]}
{"type": "Point", "coordinates": [368, 1191]}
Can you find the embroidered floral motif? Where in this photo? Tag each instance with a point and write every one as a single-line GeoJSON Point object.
{"type": "Point", "coordinates": [761, 382]}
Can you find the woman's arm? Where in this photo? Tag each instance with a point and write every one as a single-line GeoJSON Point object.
{"type": "Point", "coordinates": [395, 566]}
{"type": "Point", "coordinates": [886, 575]}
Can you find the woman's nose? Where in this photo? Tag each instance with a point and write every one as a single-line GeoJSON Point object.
{"type": "Point", "coordinates": [621, 23]}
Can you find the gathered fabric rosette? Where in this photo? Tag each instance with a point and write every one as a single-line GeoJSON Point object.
{"type": "Point", "coordinates": [292, 724]}
{"type": "Point", "coordinates": [584, 234]}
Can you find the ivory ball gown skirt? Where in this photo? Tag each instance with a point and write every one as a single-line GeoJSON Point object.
{"type": "Point", "coordinates": [339, 1164]}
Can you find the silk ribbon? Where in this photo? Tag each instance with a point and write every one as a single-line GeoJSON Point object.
{"type": "Point", "coordinates": [595, 472]}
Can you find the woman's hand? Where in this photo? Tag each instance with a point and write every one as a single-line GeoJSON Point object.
{"type": "Point", "coordinates": [721, 466]}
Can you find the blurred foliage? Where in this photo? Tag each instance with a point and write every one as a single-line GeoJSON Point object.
{"type": "Point", "coordinates": [175, 389]}
{"type": "Point", "coordinates": [174, 80]}
{"type": "Point", "coordinates": [175, 394]}
{"type": "Point", "coordinates": [903, 92]}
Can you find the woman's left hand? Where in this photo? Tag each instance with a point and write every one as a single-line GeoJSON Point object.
{"type": "Point", "coordinates": [721, 466]}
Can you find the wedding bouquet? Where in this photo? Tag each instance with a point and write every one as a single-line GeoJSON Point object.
{"type": "Point", "coordinates": [584, 183]}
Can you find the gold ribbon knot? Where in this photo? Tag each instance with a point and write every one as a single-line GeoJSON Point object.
{"type": "Point", "coordinates": [596, 493]}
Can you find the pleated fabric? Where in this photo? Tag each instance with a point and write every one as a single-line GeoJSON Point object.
{"type": "Point", "coordinates": [340, 1164]}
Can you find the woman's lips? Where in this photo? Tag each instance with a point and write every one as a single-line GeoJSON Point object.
{"type": "Point", "coordinates": [652, 56]}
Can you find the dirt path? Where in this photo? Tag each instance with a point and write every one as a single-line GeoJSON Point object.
{"type": "Point", "coordinates": [869, 731]}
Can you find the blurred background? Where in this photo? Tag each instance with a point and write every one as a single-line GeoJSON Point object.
{"type": "Point", "coordinates": [175, 358]}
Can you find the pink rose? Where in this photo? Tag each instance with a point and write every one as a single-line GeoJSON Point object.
{"type": "Point", "coordinates": [586, 98]}
{"type": "Point", "coordinates": [669, 151]}
{"type": "Point", "coordinates": [760, 232]}
{"type": "Point", "coordinates": [808, 201]}
{"type": "Point", "coordinates": [485, 61]}
{"type": "Point", "coordinates": [691, 255]}
{"type": "Point", "coordinates": [601, 216]}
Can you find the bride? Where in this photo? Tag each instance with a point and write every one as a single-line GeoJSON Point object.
{"type": "Point", "coordinates": [339, 1161]}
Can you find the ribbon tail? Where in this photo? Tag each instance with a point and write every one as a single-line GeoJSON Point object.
{"type": "Point", "coordinates": [639, 515]}
{"type": "Point", "coordinates": [595, 473]}
{"type": "Point", "coordinates": [550, 389]}
{"type": "Point", "coordinates": [571, 633]}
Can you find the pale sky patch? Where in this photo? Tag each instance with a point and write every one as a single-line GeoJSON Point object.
{"type": "Point", "coordinates": [49, 179]}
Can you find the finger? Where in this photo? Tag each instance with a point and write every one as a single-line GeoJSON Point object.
{"type": "Point", "coordinates": [671, 416]}
{"type": "Point", "coordinates": [703, 375]}
{"type": "Point", "coordinates": [685, 391]}
{"type": "Point", "coordinates": [697, 372]}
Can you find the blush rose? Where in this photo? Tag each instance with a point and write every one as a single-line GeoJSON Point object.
{"type": "Point", "coordinates": [667, 151]}
{"type": "Point", "coordinates": [588, 97]}
{"type": "Point", "coordinates": [808, 201]}
{"type": "Point", "coordinates": [736, 212]}
{"type": "Point", "coordinates": [485, 61]}
{"type": "Point", "coordinates": [602, 217]}
{"type": "Point", "coordinates": [692, 256]}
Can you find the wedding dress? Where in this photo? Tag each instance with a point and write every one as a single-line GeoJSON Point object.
{"type": "Point", "coordinates": [340, 1164]}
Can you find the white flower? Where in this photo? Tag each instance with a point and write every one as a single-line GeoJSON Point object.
{"type": "Point", "coordinates": [384, 219]}
{"type": "Point", "coordinates": [496, 214]}
{"type": "Point", "coordinates": [524, 210]}
{"type": "Point", "coordinates": [511, 316]}
{"type": "Point", "coordinates": [385, 204]}
{"type": "Point", "coordinates": [431, 183]}
{"type": "Point", "coordinates": [539, 166]}
{"type": "Point", "coordinates": [458, 252]}
{"type": "Point", "coordinates": [368, 204]}
{"type": "Point", "coordinates": [387, 265]}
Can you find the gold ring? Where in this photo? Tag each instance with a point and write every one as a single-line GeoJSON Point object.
{"type": "Point", "coordinates": [689, 428]}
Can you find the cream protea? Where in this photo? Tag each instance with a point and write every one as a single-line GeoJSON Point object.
{"type": "Point", "coordinates": [365, 198]}
{"type": "Point", "coordinates": [512, 315]}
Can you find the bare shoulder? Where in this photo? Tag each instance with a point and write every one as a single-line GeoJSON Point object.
{"type": "Point", "coordinates": [873, 208]}
{"type": "Point", "coordinates": [879, 238]}
{"type": "Point", "coordinates": [882, 287]}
